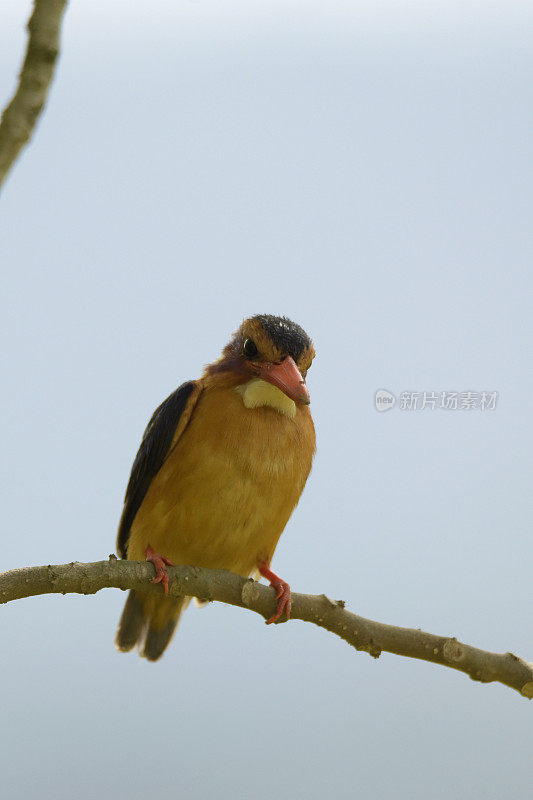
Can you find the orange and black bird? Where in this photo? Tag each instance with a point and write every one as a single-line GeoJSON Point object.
{"type": "Point", "coordinates": [221, 467]}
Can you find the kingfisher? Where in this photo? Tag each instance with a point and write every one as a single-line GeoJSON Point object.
{"type": "Point", "coordinates": [220, 469]}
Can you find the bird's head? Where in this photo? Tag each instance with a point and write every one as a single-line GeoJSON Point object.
{"type": "Point", "coordinates": [270, 349]}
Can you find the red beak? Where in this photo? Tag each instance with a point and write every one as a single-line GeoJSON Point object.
{"type": "Point", "coordinates": [287, 377]}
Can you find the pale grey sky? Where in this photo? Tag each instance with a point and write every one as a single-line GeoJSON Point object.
{"type": "Point", "coordinates": [364, 168]}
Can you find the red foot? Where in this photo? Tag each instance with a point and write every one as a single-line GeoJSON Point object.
{"type": "Point", "coordinates": [160, 563]}
{"type": "Point", "coordinates": [283, 591]}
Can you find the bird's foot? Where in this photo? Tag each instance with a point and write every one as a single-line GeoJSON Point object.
{"type": "Point", "coordinates": [160, 564]}
{"type": "Point", "coordinates": [283, 591]}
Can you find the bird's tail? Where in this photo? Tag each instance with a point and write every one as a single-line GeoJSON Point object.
{"type": "Point", "coordinates": [150, 622]}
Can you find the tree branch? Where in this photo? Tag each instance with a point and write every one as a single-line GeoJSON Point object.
{"type": "Point", "coordinates": [20, 116]}
{"type": "Point", "coordinates": [225, 587]}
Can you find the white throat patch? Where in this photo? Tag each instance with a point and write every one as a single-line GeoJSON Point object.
{"type": "Point", "coordinates": [258, 392]}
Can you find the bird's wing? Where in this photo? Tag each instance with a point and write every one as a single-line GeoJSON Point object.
{"type": "Point", "coordinates": [161, 434]}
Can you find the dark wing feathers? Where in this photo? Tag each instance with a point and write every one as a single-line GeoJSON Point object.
{"type": "Point", "coordinates": [150, 457]}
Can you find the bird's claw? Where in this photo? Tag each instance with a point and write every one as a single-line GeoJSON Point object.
{"type": "Point", "coordinates": [160, 563]}
{"type": "Point", "coordinates": [283, 592]}
{"type": "Point", "coordinates": [283, 595]}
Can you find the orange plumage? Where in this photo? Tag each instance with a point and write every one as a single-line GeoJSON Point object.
{"type": "Point", "coordinates": [232, 471]}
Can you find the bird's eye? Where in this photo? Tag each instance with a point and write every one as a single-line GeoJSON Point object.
{"type": "Point", "coordinates": [249, 349]}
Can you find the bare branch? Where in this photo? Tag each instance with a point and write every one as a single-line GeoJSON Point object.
{"type": "Point", "coordinates": [225, 587]}
{"type": "Point", "coordinates": [20, 116]}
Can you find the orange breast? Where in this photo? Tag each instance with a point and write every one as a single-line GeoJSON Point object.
{"type": "Point", "coordinates": [229, 486]}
